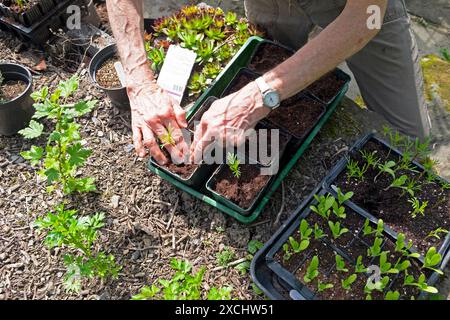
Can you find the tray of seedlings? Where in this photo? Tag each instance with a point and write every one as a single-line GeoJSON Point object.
{"type": "Point", "coordinates": [343, 244]}
{"type": "Point", "coordinates": [32, 20]}
{"type": "Point", "coordinates": [240, 189]}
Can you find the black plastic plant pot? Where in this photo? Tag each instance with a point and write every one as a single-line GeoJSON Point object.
{"type": "Point", "coordinates": [262, 67]}
{"type": "Point", "coordinates": [202, 173]}
{"type": "Point", "coordinates": [210, 186]}
{"type": "Point", "coordinates": [15, 114]}
{"type": "Point", "coordinates": [341, 167]}
{"type": "Point", "coordinates": [118, 96]}
{"type": "Point", "coordinates": [240, 80]}
{"type": "Point", "coordinates": [273, 249]}
{"type": "Point", "coordinates": [329, 93]}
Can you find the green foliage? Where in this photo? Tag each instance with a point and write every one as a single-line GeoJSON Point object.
{"type": "Point", "coordinates": [340, 263]}
{"type": "Point", "coordinates": [324, 205]}
{"type": "Point", "coordinates": [355, 171]}
{"type": "Point", "coordinates": [435, 233]}
{"type": "Point", "coordinates": [305, 236]}
{"type": "Point", "coordinates": [432, 260]}
{"type": "Point", "coordinates": [65, 228]}
{"type": "Point", "coordinates": [287, 252]}
{"type": "Point", "coordinates": [417, 206]}
{"type": "Point", "coordinates": [252, 247]}
{"type": "Point", "coordinates": [403, 247]}
{"type": "Point", "coordinates": [234, 163]}
{"type": "Point", "coordinates": [347, 283]}
{"type": "Point", "coordinates": [392, 295]}
{"type": "Point", "coordinates": [375, 249]}
{"type": "Point", "coordinates": [419, 283]}
{"type": "Point", "coordinates": [359, 267]}
{"type": "Point", "coordinates": [225, 257]}
{"type": "Point", "coordinates": [368, 230]}
{"type": "Point", "coordinates": [321, 287]}
{"type": "Point", "coordinates": [156, 56]}
{"type": "Point", "coordinates": [167, 138]}
{"type": "Point", "coordinates": [370, 158]}
{"type": "Point", "coordinates": [318, 232]}
{"type": "Point", "coordinates": [385, 265]}
{"type": "Point", "coordinates": [445, 54]}
{"type": "Point", "coordinates": [312, 271]}
{"type": "Point", "coordinates": [387, 167]}
{"type": "Point", "coordinates": [184, 285]}
{"type": "Point", "coordinates": [336, 229]}
{"type": "Point", "coordinates": [343, 197]}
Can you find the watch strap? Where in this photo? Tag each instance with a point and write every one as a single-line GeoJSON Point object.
{"type": "Point", "coordinates": [262, 85]}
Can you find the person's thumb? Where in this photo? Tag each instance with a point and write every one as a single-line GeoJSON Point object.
{"type": "Point", "coordinates": [180, 115]}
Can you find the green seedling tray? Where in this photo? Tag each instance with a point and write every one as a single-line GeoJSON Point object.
{"type": "Point", "coordinates": [241, 60]}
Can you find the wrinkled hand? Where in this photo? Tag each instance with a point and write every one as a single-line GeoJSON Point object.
{"type": "Point", "coordinates": [228, 119]}
{"type": "Point", "coordinates": [154, 111]}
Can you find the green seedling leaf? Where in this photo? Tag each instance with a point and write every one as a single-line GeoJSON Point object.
{"type": "Point", "coordinates": [312, 271]}
{"type": "Point", "coordinates": [347, 283]}
{"type": "Point", "coordinates": [336, 229]}
{"type": "Point", "coordinates": [33, 130]}
{"type": "Point", "coordinates": [34, 155]}
{"type": "Point", "coordinates": [392, 295]}
{"type": "Point", "coordinates": [340, 263]}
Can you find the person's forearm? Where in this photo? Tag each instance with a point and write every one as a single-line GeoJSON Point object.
{"type": "Point", "coordinates": [340, 40]}
{"type": "Point", "coordinates": [126, 20]}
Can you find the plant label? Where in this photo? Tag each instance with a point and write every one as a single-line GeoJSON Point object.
{"type": "Point", "coordinates": [120, 73]}
{"type": "Point", "coordinates": [176, 71]}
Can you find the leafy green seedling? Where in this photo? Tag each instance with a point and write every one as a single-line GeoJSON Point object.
{"type": "Point", "coordinates": [339, 211]}
{"type": "Point", "coordinates": [402, 265]}
{"type": "Point", "coordinates": [252, 247]}
{"type": "Point", "coordinates": [298, 247]}
{"type": "Point", "coordinates": [368, 230]}
{"type": "Point", "coordinates": [432, 260]}
{"type": "Point", "coordinates": [385, 266]}
{"type": "Point", "coordinates": [370, 158]}
{"type": "Point", "coordinates": [225, 257]}
{"type": "Point", "coordinates": [417, 206]}
{"type": "Point", "coordinates": [355, 171]}
{"type": "Point", "coordinates": [420, 283]}
{"type": "Point", "coordinates": [347, 283]}
{"type": "Point", "coordinates": [287, 252]}
{"type": "Point", "coordinates": [324, 205]}
{"type": "Point", "coordinates": [375, 249]}
{"type": "Point", "coordinates": [379, 285]}
{"type": "Point", "coordinates": [318, 232]}
{"type": "Point", "coordinates": [359, 267]}
{"type": "Point", "coordinates": [343, 197]}
{"type": "Point", "coordinates": [340, 263]}
{"type": "Point", "coordinates": [336, 229]}
{"type": "Point", "coordinates": [435, 233]}
{"type": "Point", "coordinates": [387, 167]}
{"type": "Point", "coordinates": [392, 295]}
{"type": "Point", "coordinates": [312, 271]}
{"type": "Point", "coordinates": [233, 164]}
{"type": "Point", "coordinates": [321, 287]}
{"type": "Point", "coordinates": [403, 247]}
{"type": "Point", "coordinates": [167, 138]}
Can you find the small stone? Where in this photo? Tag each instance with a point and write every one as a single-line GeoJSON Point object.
{"type": "Point", "coordinates": [115, 201]}
{"type": "Point", "coordinates": [129, 148]}
{"type": "Point", "coordinates": [100, 133]}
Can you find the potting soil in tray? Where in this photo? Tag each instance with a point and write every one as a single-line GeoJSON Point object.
{"type": "Point", "coordinates": [391, 204]}
{"type": "Point", "coordinates": [297, 115]}
{"type": "Point", "coordinates": [106, 75]}
{"type": "Point", "coordinates": [327, 87]}
{"type": "Point", "coordinates": [10, 90]}
{"type": "Point", "coordinates": [244, 190]}
{"type": "Point", "coordinates": [268, 57]}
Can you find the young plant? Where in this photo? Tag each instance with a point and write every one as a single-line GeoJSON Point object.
{"type": "Point", "coordinates": [65, 229]}
{"type": "Point", "coordinates": [167, 138]}
{"type": "Point", "coordinates": [432, 260]}
{"type": "Point", "coordinates": [184, 285]}
{"type": "Point", "coordinates": [392, 295]}
{"type": "Point", "coordinates": [225, 257]}
{"type": "Point", "coordinates": [347, 283]}
{"type": "Point", "coordinates": [420, 283]}
{"type": "Point", "coordinates": [324, 205]}
{"type": "Point", "coordinates": [336, 229]}
{"type": "Point", "coordinates": [340, 263]}
{"type": "Point", "coordinates": [318, 232]}
{"type": "Point", "coordinates": [402, 265]}
{"type": "Point", "coordinates": [385, 266]}
{"type": "Point", "coordinates": [370, 158]}
{"type": "Point", "coordinates": [343, 197]}
{"type": "Point", "coordinates": [339, 210]}
{"type": "Point", "coordinates": [406, 184]}
{"type": "Point", "coordinates": [417, 206]}
{"type": "Point", "coordinates": [359, 267]}
{"type": "Point", "coordinates": [355, 171]}
{"type": "Point", "coordinates": [375, 249]}
{"type": "Point", "coordinates": [156, 57]}
{"type": "Point", "coordinates": [287, 252]}
{"type": "Point", "coordinates": [387, 167]}
{"type": "Point", "coordinates": [312, 271]}
{"type": "Point", "coordinates": [321, 287]}
{"type": "Point", "coordinates": [435, 233]}
{"type": "Point", "coordinates": [378, 285]}
{"type": "Point", "coordinates": [368, 230]}
{"type": "Point", "coordinates": [233, 164]}
{"type": "Point", "coordinates": [403, 247]}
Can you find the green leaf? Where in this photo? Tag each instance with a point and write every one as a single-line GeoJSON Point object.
{"type": "Point", "coordinates": [254, 245]}
{"type": "Point", "coordinates": [34, 130]}
{"type": "Point", "coordinates": [84, 107]}
{"type": "Point", "coordinates": [78, 154]}
{"type": "Point", "coordinates": [52, 175]}
{"type": "Point", "coordinates": [34, 155]}
{"type": "Point", "coordinates": [392, 295]}
{"type": "Point", "coordinates": [68, 87]}
{"type": "Point", "coordinates": [40, 95]}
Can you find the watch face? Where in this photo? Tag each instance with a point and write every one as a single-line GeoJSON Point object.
{"type": "Point", "coordinates": [272, 99]}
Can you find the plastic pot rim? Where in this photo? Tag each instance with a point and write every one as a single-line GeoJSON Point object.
{"type": "Point", "coordinates": [29, 81]}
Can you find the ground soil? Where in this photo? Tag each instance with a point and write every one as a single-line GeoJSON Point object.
{"type": "Point", "coordinates": [107, 76]}
{"type": "Point", "coordinates": [244, 190]}
{"type": "Point", "coordinates": [394, 208]}
{"type": "Point", "coordinates": [297, 115]}
{"type": "Point", "coordinates": [242, 79]}
{"type": "Point", "coordinates": [10, 90]}
{"type": "Point", "coordinates": [327, 87]}
{"type": "Point", "coordinates": [268, 57]}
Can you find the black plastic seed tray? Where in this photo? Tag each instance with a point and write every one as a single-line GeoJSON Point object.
{"type": "Point", "coordinates": [52, 16]}
{"type": "Point", "coordinates": [341, 166]}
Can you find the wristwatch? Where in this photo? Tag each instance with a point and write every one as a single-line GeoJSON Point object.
{"type": "Point", "coordinates": [271, 98]}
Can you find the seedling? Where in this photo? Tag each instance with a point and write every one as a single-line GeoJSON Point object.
{"type": "Point", "coordinates": [445, 54]}
{"type": "Point", "coordinates": [287, 253]}
{"type": "Point", "coordinates": [324, 205]}
{"type": "Point", "coordinates": [370, 158]}
{"type": "Point", "coordinates": [385, 266]}
{"type": "Point", "coordinates": [305, 233]}
{"type": "Point", "coordinates": [318, 232]}
{"type": "Point", "coordinates": [355, 171]}
{"type": "Point", "coordinates": [340, 264]}
{"type": "Point", "coordinates": [233, 164]}
{"type": "Point", "coordinates": [343, 197]}
{"type": "Point", "coordinates": [435, 233]}
{"type": "Point", "coordinates": [379, 285]}
{"type": "Point", "coordinates": [417, 206]}
{"type": "Point", "coordinates": [225, 257]}
{"type": "Point", "coordinates": [368, 230]}
{"type": "Point", "coordinates": [185, 285]}
{"type": "Point", "coordinates": [375, 249]}
{"type": "Point", "coordinates": [312, 271]}
{"type": "Point", "coordinates": [402, 265]}
{"type": "Point", "coordinates": [403, 247]}
{"type": "Point", "coordinates": [359, 267]}
{"type": "Point", "coordinates": [156, 57]}
{"type": "Point", "coordinates": [405, 184]}
{"type": "Point", "coordinates": [321, 287]}
{"type": "Point", "coordinates": [298, 246]}
{"type": "Point", "coordinates": [339, 211]}
{"type": "Point", "coordinates": [387, 167]}
{"type": "Point", "coordinates": [420, 283]}
{"type": "Point", "coordinates": [336, 229]}
{"type": "Point", "coordinates": [347, 283]}
{"type": "Point", "coordinates": [392, 295]}
{"type": "Point", "coordinates": [167, 138]}
{"type": "Point", "coordinates": [432, 260]}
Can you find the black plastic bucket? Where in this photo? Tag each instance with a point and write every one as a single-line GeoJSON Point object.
{"type": "Point", "coordinates": [16, 113]}
{"type": "Point", "coordinates": [118, 96]}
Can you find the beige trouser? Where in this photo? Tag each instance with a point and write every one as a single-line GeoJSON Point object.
{"type": "Point", "coordinates": [387, 70]}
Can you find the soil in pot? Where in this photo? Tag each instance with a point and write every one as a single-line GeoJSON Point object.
{"type": "Point", "coordinates": [297, 115]}
{"type": "Point", "coordinates": [243, 78]}
{"type": "Point", "coordinates": [327, 87]}
{"type": "Point", "coordinates": [268, 57]}
{"type": "Point", "coordinates": [392, 204]}
{"type": "Point", "coordinates": [244, 190]}
{"type": "Point", "coordinates": [107, 76]}
{"type": "Point", "coordinates": [10, 90]}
